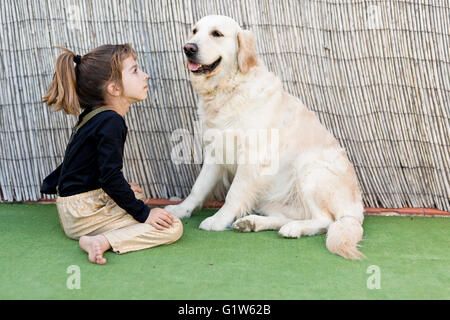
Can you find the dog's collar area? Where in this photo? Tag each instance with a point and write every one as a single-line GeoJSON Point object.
{"type": "Point", "coordinates": [207, 68]}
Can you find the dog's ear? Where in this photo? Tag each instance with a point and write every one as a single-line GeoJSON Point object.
{"type": "Point", "coordinates": [247, 57]}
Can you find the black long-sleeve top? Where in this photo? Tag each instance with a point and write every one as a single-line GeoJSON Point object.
{"type": "Point", "coordinates": [93, 160]}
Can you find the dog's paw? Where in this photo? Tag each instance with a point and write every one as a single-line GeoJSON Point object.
{"type": "Point", "coordinates": [213, 224]}
{"type": "Point", "coordinates": [245, 224]}
{"type": "Point", "coordinates": [290, 230]}
{"type": "Point", "coordinates": [179, 211]}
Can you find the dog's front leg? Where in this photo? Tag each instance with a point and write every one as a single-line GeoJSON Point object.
{"type": "Point", "coordinates": [239, 201]}
{"type": "Point", "coordinates": [207, 179]}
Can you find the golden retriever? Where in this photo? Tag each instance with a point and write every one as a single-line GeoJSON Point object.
{"type": "Point", "coordinates": [313, 188]}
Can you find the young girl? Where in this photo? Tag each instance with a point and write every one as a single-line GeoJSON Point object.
{"type": "Point", "coordinates": [95, 203]}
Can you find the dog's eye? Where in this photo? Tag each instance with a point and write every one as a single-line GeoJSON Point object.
{"type": "Point", "coordinates": [194, 31]}
{"type": "Point", "coordinates": [216, 33]}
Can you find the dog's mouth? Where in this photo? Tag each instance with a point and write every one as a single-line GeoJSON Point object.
{"type": "Point", "coordinates": [202, 68]}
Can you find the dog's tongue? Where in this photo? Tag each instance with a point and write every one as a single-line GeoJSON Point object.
{"type": "Point", "coordinates": [193, 66]}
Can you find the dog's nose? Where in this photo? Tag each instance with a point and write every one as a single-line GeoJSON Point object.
{"type": "Point", "coordinates": [190, 49]}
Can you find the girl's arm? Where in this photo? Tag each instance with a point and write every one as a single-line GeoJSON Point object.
{"type": "Point", "coordinates": [111, 139]}
{"type": "Point", "coordinates": [50, 183]}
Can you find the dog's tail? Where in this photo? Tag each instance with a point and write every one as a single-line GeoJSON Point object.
{"type": "Point", "coordinates": [343, 236]}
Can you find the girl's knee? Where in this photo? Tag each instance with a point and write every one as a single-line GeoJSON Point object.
{"type": "Point", "coordinates": [176, 230]}
{"type": "Point", "coordinates": [72, 235]}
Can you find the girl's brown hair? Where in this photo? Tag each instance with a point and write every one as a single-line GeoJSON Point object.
{"type": "Point", "coordinates": [77, 86]}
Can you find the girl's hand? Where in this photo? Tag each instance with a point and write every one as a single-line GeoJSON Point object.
{"type": "Point", "coordinates": [135, 187]}
{"type": "Point", "coordinates": [160, 219]}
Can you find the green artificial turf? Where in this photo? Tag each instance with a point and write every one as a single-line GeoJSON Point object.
{"type": "Point", "coordinates": [412, 255]}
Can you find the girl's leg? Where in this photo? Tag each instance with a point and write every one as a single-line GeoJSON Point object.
{"type": "Point", "coordinates": [125, 234]}
{"type": "Point", "coordinates": [142, 236]}
{"type": "Point", "coordinates": [100, 224]}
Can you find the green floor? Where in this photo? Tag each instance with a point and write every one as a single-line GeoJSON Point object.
{"type": "Point", "coordinates": [412, 255]}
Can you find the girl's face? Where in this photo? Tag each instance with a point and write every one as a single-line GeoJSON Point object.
{"type": "Point", "coordinates": [134, 81]}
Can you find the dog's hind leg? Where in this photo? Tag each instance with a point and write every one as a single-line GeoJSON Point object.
{"type": "Point", "coordinates": [333, 201]}
{"type": "Point", "coordinates": [257, 223]}
{"type": "Point", "coordinates": [315, 219]}
{"type": "Point", "coordinates": [298, 228]}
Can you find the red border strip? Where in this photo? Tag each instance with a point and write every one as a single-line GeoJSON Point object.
{"type": "Point", "coordinates": [367, 210]}
{"type": "Point", "coordinates": [407, 211]}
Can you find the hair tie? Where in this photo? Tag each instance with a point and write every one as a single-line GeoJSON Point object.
{"type": "Point", "coordinates": [77, 59]}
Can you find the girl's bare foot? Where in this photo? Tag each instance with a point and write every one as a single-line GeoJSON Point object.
{"type": "Point", "coordinates": [95, 246]}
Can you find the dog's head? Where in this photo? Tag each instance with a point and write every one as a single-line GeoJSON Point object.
{"type": "Point", "coordinates": [218, 47]}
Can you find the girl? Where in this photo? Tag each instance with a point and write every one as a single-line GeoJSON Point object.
{"type": "Point", "coordinates": [95, 203]}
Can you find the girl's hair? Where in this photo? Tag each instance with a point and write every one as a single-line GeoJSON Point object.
{"type": "Point", "coordinates": [77, 86]}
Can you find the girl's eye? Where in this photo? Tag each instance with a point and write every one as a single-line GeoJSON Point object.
{"type": "Point", "coordinates": [135, 70]}
{"type": "Point", "coordinates": [216, 33]}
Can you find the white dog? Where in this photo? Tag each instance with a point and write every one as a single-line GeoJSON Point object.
{"type": "Point", "coordinates": [314, 188]}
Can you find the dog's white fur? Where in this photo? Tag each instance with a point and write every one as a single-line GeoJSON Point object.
{"type": "Point", "coordinates": [315, 189]}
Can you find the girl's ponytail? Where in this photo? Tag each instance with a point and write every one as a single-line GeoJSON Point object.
{"type": "Point", "coordinates": [74, 88]}
{"type": "Point", "coordinates": [62, 91]}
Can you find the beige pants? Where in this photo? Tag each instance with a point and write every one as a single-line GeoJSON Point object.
{"type": "Point", "coordinates": [94, 212]}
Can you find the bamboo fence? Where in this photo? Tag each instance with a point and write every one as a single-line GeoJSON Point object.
{"type": "Point", "coordinates": [375, 72]}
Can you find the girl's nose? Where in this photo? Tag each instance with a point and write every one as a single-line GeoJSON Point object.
{"type": "Point", "coordinates": [146, 76]}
